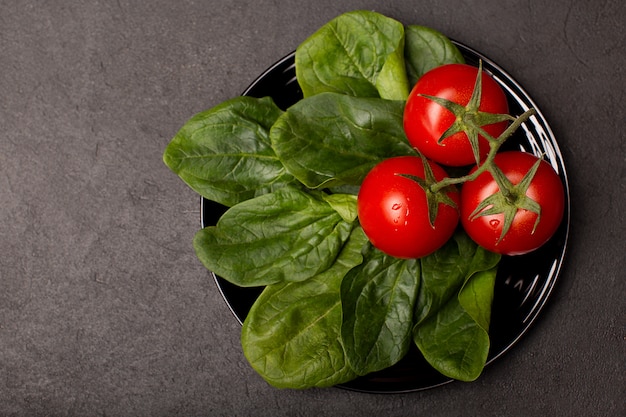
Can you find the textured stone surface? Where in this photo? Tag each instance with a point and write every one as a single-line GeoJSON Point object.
{"type": "Point", "coordinates": [104, 309]}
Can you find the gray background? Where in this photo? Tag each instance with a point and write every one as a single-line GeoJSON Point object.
{"type": "Point", "coordinates": [104, 309]}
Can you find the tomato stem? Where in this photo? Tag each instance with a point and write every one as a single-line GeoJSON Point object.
{"type": "Point", "coordinates": [487, 164]}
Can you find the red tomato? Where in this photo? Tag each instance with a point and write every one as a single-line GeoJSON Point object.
{"type": "Point", "coordinates": [545, 188]}
{"type": "Point", "coordinates": [393, 210]}
{"type": "Point", "coordinates": [425, 121]}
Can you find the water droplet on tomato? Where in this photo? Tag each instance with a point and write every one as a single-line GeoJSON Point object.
{"type": "Point", "coordinates": [494, 223]}
{"type": "Point", "coordinates": [396, 206]}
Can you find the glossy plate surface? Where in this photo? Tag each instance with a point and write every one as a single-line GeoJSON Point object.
{"type": "Point", "coordinates": [524, 283]}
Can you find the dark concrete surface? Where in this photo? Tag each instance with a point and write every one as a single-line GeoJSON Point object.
{"type": "Point", "coordinates": [104, 309]}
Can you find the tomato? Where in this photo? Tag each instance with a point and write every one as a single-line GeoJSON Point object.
{"type": "Point", "coordinates": [425, 121]}
{"type": "Point", "coordinates": [393, 209]}
{"type": "Point", "coordinates": [546, 189]}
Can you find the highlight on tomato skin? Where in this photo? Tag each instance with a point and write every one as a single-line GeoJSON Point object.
{"type": "Point", "coordinates": [425, 121]}
{"type": "Point", "coordinates": [393, 209]}
{"type": "Point", "coordinates": [546, 188]}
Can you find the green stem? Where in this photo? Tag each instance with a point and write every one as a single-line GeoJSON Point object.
{"type": "Point", "coordinates": [487, 165]}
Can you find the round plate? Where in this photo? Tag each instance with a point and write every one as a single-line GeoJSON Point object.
{"type": "Point", "coordinates": [524, 283]}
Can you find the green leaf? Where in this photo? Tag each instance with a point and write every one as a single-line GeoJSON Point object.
{"type": "Point", "coordinates": [344, 204]}
{"type": "Point", "coordinates": [287, 235]}
{"type": "Point", "coordinates": [443, 274]}
{"type": "Point", "coordinates": [425, 49]}
{"type": "Point", "coordinates": [453, 310]}
{"type": "Point", "coordinates": [392, 82]}
{"type": "Point", "coordinates": [378, 298]}
{"type": "Point", "coordinates": [332, 139]}
{"type": "Point", "coordinates": [476, 295]}
{"type": "Point", "coordinates": [291, 335]}
{"type": "Point", "coordinates": [224, 153]}
{"type": "Point", "coordinates": [359, 53]}
{"type": "Point", "coordinates": [454, 341]}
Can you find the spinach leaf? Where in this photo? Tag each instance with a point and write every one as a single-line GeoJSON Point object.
{"type": "Point", "coordinates": [344, 204]}
{"type": "Point", "coordinates": [359, 53]}
{"type": "Point", "coordinates": [287, 235]}
{"type": "Point", "coordinates": [291, 335]}
{"type": "Point", "coordinates": [456, 340]}
{"type": "Point", "coordinates": [453, 319]}
{"type": "Point", "coordinates": [225, 154]}
{"type": "Point", "coordinates": [445, 271]}
{"type": "Point", "coordinates": [425, 49]}
{"type": "Point", "coordinates": [333, 139]}
{"type": "Point", "coordinates": [378, 298]}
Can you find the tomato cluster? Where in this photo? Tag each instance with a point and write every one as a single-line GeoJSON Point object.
{"type": "Point", "coordinates": [510, 202]}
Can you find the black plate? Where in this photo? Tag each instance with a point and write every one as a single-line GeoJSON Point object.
{"type": "Point", "coordinates": [524, 283]}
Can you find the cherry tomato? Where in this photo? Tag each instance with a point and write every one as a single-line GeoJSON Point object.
{"type": "Point", "coordinates": [425, 121]}
{"type": "Point", "coordinates": [545, 188]}
{"type": "Point", "coordinates": [393, 209]}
